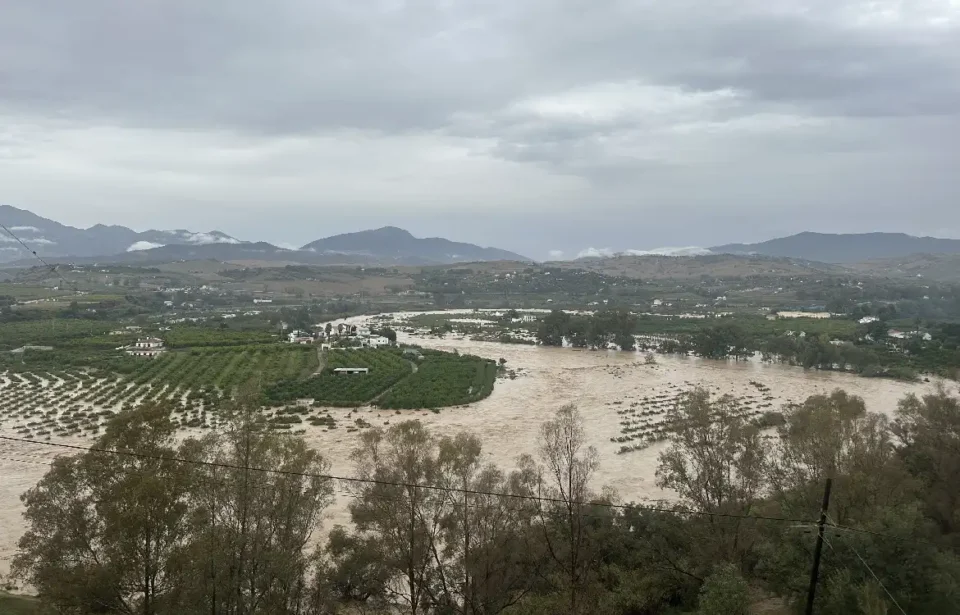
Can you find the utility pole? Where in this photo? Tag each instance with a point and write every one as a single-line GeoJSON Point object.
{"type": "Point", "coordinates": [815, 574]}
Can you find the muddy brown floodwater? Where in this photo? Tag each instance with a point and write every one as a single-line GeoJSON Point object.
{"type": "Point", "coordinates": [599, 383]}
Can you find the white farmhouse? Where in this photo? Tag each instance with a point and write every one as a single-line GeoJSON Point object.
{"type": "Point", "coordinates": [299, 337]}
{"type": "Point", "coordinates": [146, 347]}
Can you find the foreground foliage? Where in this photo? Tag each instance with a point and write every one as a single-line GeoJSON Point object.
{"type": "Point", "coordinates": [150, 534]}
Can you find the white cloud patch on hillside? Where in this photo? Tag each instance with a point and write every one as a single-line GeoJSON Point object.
{"type": "Point", "coordinates": [668, 251]}
{"type": "Point", "coordinates": [144, 245]}
{"type": "Point", "coordinates": [684, 251]}
{"type": "Point", "coordinates": [199, 239]}
{"type": "Point", "coordinates": [595, 253]}
{"type": "Point", "coordinates": [42, 241]}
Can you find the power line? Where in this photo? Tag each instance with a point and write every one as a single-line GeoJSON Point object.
{"type": "Point", "coordinates": [856, 530]}
{"type": "Point", "coordinates": [28, 248]}
{"type": "Point", "coordinates": [371, 481]}
{"type": "Point", "coordinates": [872, 573]}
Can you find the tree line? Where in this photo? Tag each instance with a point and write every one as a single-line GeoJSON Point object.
{"type": "Point", "coordinates": [438, 530]}
{"type": "Point", "coordinates": [598, 330]}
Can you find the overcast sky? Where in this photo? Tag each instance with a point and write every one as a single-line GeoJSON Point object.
{"type": "Point", "coordinates": [531, 125]}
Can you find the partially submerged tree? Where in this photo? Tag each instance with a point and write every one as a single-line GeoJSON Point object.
{"type": "Point", "coordinates": [716, 464]}
{"type": "Point", "coordinates": [448, 528]}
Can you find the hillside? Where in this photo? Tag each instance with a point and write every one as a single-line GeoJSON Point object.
{"type": "Point", "coordinates": [844, 248]}
{"type": "Point", "coordinates": [933, 267]}
{"type": "Point", "coordinates": [716, 265]}
{"type": "Point", "coordinates": [395, 244]}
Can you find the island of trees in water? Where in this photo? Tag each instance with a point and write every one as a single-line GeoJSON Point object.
{"type": "Point", "coordinates": [830, 344]}
{"type": "Point", "coordinates": [146, 522]}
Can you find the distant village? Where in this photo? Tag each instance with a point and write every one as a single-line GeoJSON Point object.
{"type": "Point", "coordinates": [343, 334]}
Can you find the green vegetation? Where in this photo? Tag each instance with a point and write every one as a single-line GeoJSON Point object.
{"type": "Point", "coordinates": [443, 379]}
{"type": "Point", "coordinates": [196, 337]}
{"type": "Point", "coordinates": [614, 326]}
{"type": "Point", "coordinates": [226, 368]}
{"type": "Point", "coordinates": [50, 332]}
{"type": "Point", "coordinates": [387, 367]}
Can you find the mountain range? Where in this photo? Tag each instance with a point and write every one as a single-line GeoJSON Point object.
{"type": "Point", "coordinates": [52, 239]}
{"type": "Point", "coordinates": [844, 248]}
{"type": "Point", "coordinates": [57, 242]}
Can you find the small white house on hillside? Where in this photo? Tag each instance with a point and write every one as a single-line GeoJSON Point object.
{"type": "Point", "coordinates": [299, 337]}
{"type": "Point", "coordinates": [146, 347]}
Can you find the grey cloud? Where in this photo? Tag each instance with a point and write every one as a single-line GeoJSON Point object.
{"type": "Point", "coordinates": [648, 110]}
{"type": "Point", "coordinates": [298, 65]}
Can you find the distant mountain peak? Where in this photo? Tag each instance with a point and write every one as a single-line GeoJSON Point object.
{"type": "Point", "coordinates": [399, 245]}
{"type": "Point", "coordinates": [391, 230]}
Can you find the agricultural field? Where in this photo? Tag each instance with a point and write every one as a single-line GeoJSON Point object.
{"type": "Point", "coordinates": [52, 331]}
{"type": "Point", "coordinates": [56, 394]}
{"type": "Point", "coordinates": [387, 368]}
{"type": "Point", "coordinates": [74, 401]}
{"type": "Point", "coordinates": [194, 337]}
{"type": "Point", "coordinates": [443, 379]}
{"type": "Point", "coordinates": [646, 420]}
{"type": "Point", "coordinates": [395, 380]}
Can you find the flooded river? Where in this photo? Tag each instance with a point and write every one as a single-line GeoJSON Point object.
{"type": "Point", "coordinates": [599, 383]}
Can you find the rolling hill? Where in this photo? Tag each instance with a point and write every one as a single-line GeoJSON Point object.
{"type": "Point", "coordinates": [658, 267]}
{"type": "Point", "coordinates": [844, 248]}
